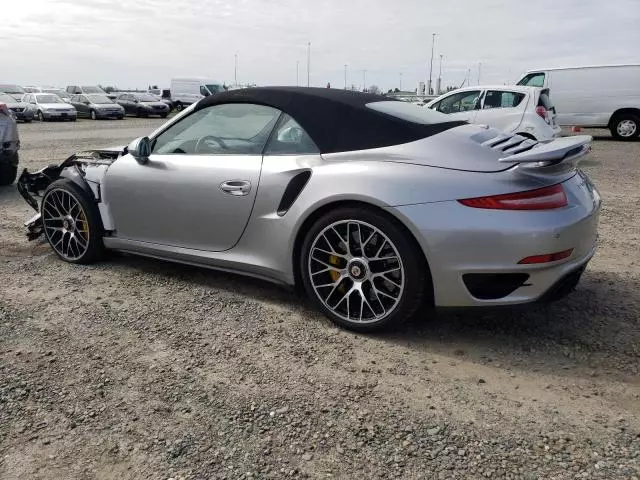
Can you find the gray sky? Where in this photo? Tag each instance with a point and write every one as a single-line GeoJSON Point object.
{"type": "Point", "coordinates": [134, 43]}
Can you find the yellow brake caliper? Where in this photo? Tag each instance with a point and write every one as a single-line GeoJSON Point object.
{"type": "Point", "coordinates": [84, 225]}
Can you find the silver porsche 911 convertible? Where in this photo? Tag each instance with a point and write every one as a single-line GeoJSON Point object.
{"type": "Point", "coordinates": [374, 207]}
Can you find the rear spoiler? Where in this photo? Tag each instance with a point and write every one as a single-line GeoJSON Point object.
{"type": "Point", "coordinates": [559, 150]}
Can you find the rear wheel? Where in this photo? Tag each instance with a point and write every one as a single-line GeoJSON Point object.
{"type": "Point", "coordinates": [93, 115]}
{"type": "Point", "coordinates": [179, 107]}
{"type": "Point", "coordinates": [72, 223]}
{"type": "Point", "coordinates": [362, 269]}
{"type": "Point", "coordinates": [41, 116]}
{"type": "Point", "coordinates": [625, 126]}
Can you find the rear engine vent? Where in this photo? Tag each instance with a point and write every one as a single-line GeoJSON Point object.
{"type": "Point", "coordinates": [507, 143]}
{"type": "Point", "coordinates": [493, 286]}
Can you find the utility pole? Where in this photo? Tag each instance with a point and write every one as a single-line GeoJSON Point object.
{"type": "Point", "coordinates": [297, 69]}
{"type": "Point", "coordinates": [479, 70]}
{"type": "Point", "coordinates": [364, 80]}
{"type": "Point", "coordinates": [345, 76]}
{"type": "Point", "coordinates": [433, 41]}
{"type": "Point", "coordinates": [309, 64]}
{"type": "Point", "coordinates": [400, 81]}
{"type": "Point", "coordinates": [235, 72]}
{"type": "Point", "coordinates": [439, 82]}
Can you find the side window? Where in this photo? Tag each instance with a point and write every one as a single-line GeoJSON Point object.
{"type": "Point", "coordinates": [227, 129]}
{"type": "Point", "coordinates": [500, 99]}
{"type": "Point", "coordinates": [460, 102]}
{"type": "Point", "coordinates": [289, 138]}
{"type": "Point", "coordinates": [203, 91]}
{"type": "Point", "coordinates": [533, 80]}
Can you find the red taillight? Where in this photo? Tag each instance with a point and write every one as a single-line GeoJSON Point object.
{"type": "Point", "coordinates": [549, 257]}
{"type": "Point", "coordinates": [540, 110]}
{"type": "Point", "coordinates": [546, 198]}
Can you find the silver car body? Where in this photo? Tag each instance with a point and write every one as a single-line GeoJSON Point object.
{"type": "Point", "coordinates": [50, 110]}
{"type": "Point", "coordinates": [173, 207]}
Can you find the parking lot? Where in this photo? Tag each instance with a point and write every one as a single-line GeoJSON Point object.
{"type": "Point", "coordinates": [136, 368]}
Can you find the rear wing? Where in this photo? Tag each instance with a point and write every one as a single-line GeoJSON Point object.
{"type": "Point", "coordinates": [559, 150]}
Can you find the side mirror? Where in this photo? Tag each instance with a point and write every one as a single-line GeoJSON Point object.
{"type": "Point", "coordinates": [140, 149]}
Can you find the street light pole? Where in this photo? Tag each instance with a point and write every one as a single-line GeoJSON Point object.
{"type": "Point", "coordinates": [309, 64]}
{"type": "Point", "coordinates": [345, 76]}
{"type": "Point", "coordinates": [235, 72]}
{"type": "Point", "coordinates": [400, 81]}
{"type": "Point", "coordinates": [433, 41]}
{"type": "Point", "coordinates": [364, 80]}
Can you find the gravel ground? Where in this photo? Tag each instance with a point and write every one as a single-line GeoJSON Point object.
{"type": "Point", "coordinates": [135, 368]}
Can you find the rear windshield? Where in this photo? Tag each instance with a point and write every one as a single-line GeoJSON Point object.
{"type": "Point", "coordinates": [92, 90]}
{"type": "Point", "coordinates": [409, 112]}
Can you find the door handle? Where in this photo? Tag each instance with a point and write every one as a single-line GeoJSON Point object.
{"type": "Point", "coordinates": [237, 188]}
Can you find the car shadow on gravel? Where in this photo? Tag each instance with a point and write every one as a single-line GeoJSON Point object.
{"type": "Point", "coordinates": [595, 327]}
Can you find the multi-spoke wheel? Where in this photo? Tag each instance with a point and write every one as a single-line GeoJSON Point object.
{"type": "Point", "coordinates": [362, 269]}
{"type": "Point", "coordinates": [71, 222]}
{"type": "Point", "coordinates": [625, 126]}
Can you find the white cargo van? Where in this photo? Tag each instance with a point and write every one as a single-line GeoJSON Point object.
{"type": "Point", "coordinates": [600, 96]}
{"type": "Point", "coordinates": [185, 91]}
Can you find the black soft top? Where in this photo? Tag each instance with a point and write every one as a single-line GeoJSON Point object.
{"type": "Point", "coordinates": [336, 120]}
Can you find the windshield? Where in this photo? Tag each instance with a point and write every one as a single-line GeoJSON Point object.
{"type": "Point", "coordinates": [214, 88]}
{"type": "Point", "coordinates": [11, 89]}
{"type": "Point", "coordinates": [92, 90]}
{"type": "Point", "coordinates": [99, 99]}
{"type": "Point", "coordinates": [4, 98]}
{"type": "Point", "coordinates": [145, 97]}
{"type": "Point", "coordinates": [48, 99]}
{"type": "Point", "coordinates": [409, 112]}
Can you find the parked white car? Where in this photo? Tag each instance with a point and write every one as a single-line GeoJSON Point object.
{"type": "Point", "coordinates": [600, 96]}
{"type": "Point", "coordinates": [526, 111]}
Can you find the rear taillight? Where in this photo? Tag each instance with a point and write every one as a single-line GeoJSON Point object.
{"type": "Point", "coordinates": [546, 198]}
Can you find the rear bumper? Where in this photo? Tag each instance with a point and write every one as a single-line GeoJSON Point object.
{"type": "Point", "coordinates": [473, 253]}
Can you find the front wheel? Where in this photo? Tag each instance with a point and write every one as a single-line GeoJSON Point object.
{"type": "Point", "coordinates": [41, 117]}
{"type": "Point", "coordinates": [363, 270]}
{"type": "Point", "coordinates": [72, 223]}
{"type": "Point", "coordinates": [179, 107]}
{"type": "Point", "coordinates": [625, 127]}
{"type": "Point", "coordinates": [8, 174]}
{"type": "Point", "coordinates": [93, 115]}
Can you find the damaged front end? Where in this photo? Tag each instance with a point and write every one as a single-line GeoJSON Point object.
{"type": "Point", "coordinates": [85, 168]}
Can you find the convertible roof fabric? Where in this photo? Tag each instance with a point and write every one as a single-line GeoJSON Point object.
{"type": "Point", "coordinates": [336, 120]}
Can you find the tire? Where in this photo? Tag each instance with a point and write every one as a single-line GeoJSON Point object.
{"type": "Point", "coordinates": [121, 118]}
{"type": "Point", "coordinates": [179, 107]}
{"type": "Point", "coordinates": [27, 121]}
{"type": "Point", "coordinates": [55, 199]}
{"type": "Point", "coordinates": [74, 119]}
{"type": "Point", "coordinates": [625, 127]}
{"type": "Point", "coordinates": [8, 174]}
{"type": "Point", "coordinates": [41, 117]}
{"type": "Point", "coordinates": [381, 235]}
{"type": "Point", "coordinates": [164, 115]}
{"type": "Point", "coordinates": [92, 114]}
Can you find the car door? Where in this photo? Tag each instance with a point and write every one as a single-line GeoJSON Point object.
{"type": "Point", "coordinates": [199, 184]}
{"type": "Point", "coordinates": [122, 101]}
{"type": "Point", "coordinates": [502, 109]}
{"type": "Point", "coordinates": [80, 102]}
{"type": "Point", "coordinates": [460, 105]}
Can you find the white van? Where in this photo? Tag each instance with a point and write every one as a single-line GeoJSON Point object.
{"type": "Point", "coordinates": [600, 96]}
{"type": "Point", "coordinates": [185, 91]}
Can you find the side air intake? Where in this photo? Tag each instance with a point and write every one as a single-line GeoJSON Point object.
{"type": "Point", "coordinates": [295, 186]}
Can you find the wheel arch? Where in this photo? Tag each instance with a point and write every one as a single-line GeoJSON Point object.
{"type": "Point", "coordinates": [622, 111]}
{"type": "Point", "coordinates": [323, 209]}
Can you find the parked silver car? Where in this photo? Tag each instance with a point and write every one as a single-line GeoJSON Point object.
{"type": "Point", "coordinates": [49, 106]}
{"type": "Point", "coordinates": [9, 145]}
{"type": "Point", "coordinates": [374, 207]}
